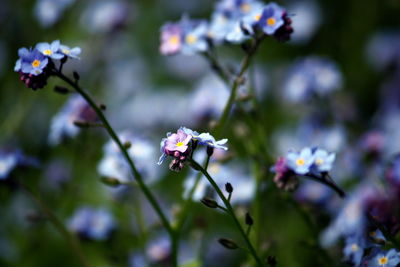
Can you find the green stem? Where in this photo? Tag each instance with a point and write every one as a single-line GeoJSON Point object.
{"type": "Point", "coordinates": [135, 172]}
{"type": "Point", "coordinates": [230, 211]}
{"type": "Point", "coordinates": [70, 238]}
{"type": "Point", "coordinates": [235, 85]}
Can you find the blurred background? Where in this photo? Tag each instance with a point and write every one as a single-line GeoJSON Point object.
{"type": "Point", "coordinates": [355, 107]}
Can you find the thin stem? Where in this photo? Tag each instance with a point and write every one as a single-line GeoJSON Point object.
{"type": "Point", "coordinates": [230, 211]}
{"type": "Point", "coordinates": [326, 180]}
{"type": "Point", "coordinates": [135, 172]}
{"type": "Point", "coordinates": [70, 238]}
{"type": "Point", "coordinates": [235, 85]}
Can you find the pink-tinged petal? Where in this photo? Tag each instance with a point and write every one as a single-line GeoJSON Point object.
{"type": "Point", "coordinates": [181, 149]}
{"type": "Point", "coordinates": [187, 139]}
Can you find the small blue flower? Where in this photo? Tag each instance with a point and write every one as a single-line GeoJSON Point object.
{"type": "Point", "coordinates": [323, 160]}
{"type": "Point", "coordinates": [206, 139]}
{"type": "Point", "coordinates": [354, 249]}
{"type": "Point", "coordinates": [70, 52]}
{"type": "Point", "coordinates": [31, 61]}
{"type": "Point", "coordinates": [271, 18]}
{"type": "Point", "coordinates": [96, 224]}
{"type": "Point", "coordinates": [389, 258]}
{"type": "Point", "coordinates": [194, 36]}
{"type": "Point", "coordinates": [300, 162]}
{"type": "Point", "coordinates": [50, 50]}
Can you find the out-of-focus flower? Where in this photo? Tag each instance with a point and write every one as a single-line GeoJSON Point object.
{"type": "Point", "coordinates": [56, 174]}
{"type": "Point", "coordinates": [62, 125]}
{"type": "Point", "coordinates": [186, 36]}
{"type": "Point", "coordinates": [8, 161]}
{"type": "Point", "coordinates": [105, 16]}
{"type": "Point", "coordinates": [143, 153]}
{"type": "Point", "coordinates": [306, 20]}
{"type": "Point", "coordinates": [300, 162]}
{"type": "Point", "coordinates": [70, 52]}
{"type": "Point", "coordinates": [96, 224]}
{"type": "Point", "coordinates": [354, 249]}
{"type": "Point", "coordinates": [351, 219]}
{"type": "Point", "coordinates": [312, 76]}
{"type": "Point", "coordinates": [47, 12]}
{"type": "Point", "coordinates": [11, 159]}
{"type": "Point", "coordinates": [50, 50]}
{"type": "Point", "coordinates": [383, 50]}
{"type": "Point", "coordinates": [233, 172]}
{"type": "Point", "coordinates": [390, 258]}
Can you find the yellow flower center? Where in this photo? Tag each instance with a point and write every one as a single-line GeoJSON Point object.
{"type": "Point", "coordinates": [190, 39]}
{"type": "Point", "coordinates": [47, 52]}
{"type": "Point", "coordinates": [174, 40]}
{"type": "Point", "coordinates": [354, 247]}
{"type": "Point", "coordinates": [257, 17]}
{"type": "Point", "coordinates": [319, 161]}
{"type": "Point", "coordinates": [271, 21]}
{"type": "Point", "coordinates": [372, 234]}
{"type": "Point", "coordinates": [66, 51]}
{"type": "Point", "coordinates": [179, 144]}
{"type": "Point", "coordinates": [245, 7]}
{"type": "Point", "coordinates": [36, 63]}
{"type": "Point", "coordinates": [300, 162]}
{"type": "Point", "coordinates": [383, 260]}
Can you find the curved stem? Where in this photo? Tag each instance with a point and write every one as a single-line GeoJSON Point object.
{"type": "Point", "coordinates": [70, 238]}
{"type": "Point", "coordinates": [135, 172]}
{"type": "Point", "coordinates": [326, 180]}
{"type": "Point", "coordinates": [230, 211]}
{"type": "Point", "coordinates": [235, 85]}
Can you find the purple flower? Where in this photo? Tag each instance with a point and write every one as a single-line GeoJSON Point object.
{"type": "Point", "coordinates": [354, 249]}
{"type": "Point", "coordinates": [271, 18]}
{"type": "Point", "coordinates": [176, 145]}
{"type": "Point", "coordinates": [50, 50]}
{"type": "Point", "coordinates": [171, 39]}
{"type": "Point", "coordinates": [30, 61]}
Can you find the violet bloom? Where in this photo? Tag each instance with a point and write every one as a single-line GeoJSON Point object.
{"type": "Point", "coordinates": [271, 19]}
{"type": "Point", "coordinates": [176, 144]}
{"type": "Point", "coordinates": [206, 139]}
{"type": "Point", "coordinates": [30, 62]}
{"type": "Point", "coordinates": [171, 39]}
{"type": "Point", "coordinates": [50, 50]}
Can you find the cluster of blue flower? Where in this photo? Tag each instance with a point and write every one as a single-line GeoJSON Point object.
{"type": "Point", "coordinates": [233, 21]}
{"type": "Point", "coordinates": [36, 65]}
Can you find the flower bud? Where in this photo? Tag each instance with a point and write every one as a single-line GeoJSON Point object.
{"type": "Point", "coordinates": [211, 203]}
{"type": "Point", "coordinates": [61, 90]}
{"type": "Point", "coordinates": [76, 76]}
{"type": "Point", "coordinates": [210, 151]}
{"type": "Point", "coordinates": [249, 220]}
{"type": "Point", "coordinates": [110, 181]}
{"type": "Point", "coordinates": [228, 243]}
{"type": "Point", "coordinates": [228, 188]}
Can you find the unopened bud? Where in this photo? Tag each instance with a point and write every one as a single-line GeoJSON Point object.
{"type": "Point", "coordinates": [110, 181]}
{"type": "Point", "coordinates": [211, 203]}
{"type": "Point", "coordinates": [229, 188]}
{"type": "Point", "coordinates": [210, 151]}
{"type": "Point", "coordinates": [76, 76]}
{"type": "Point", "coordinates": [127, 144]}
{"type": "Point", "coordinates": [61, 90]}
{"type": "Point", "coordinates": [249, 220]}
{"type": "Point", "coordinates": [227, 243]}
{"type": "Point", "coordinates": [103, 107]}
